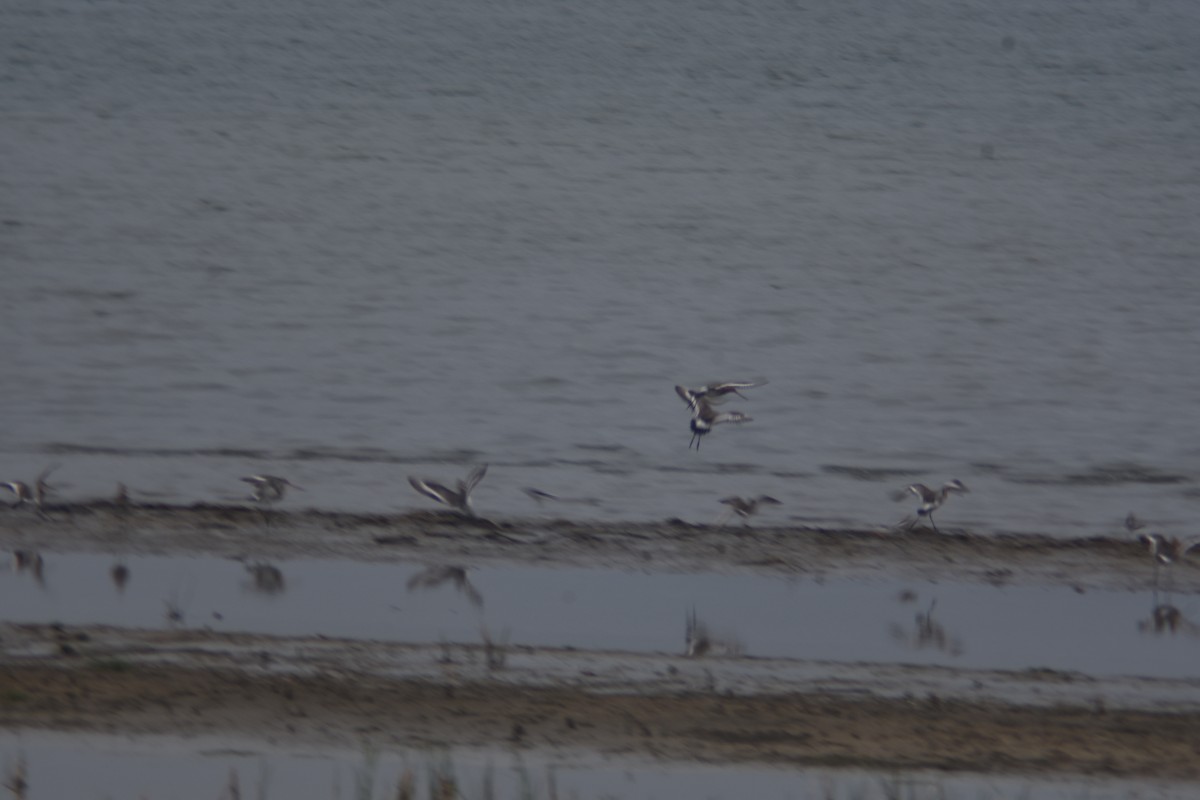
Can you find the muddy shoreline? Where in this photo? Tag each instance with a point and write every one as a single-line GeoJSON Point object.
{"type": "Point", "coordinates": [1111, 562]}
{"type": "Point", "coordinates": [340, 693]}
{"type": "Point", "coordinates": [718, 709]}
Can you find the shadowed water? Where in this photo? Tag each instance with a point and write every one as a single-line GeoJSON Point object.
{"type": "Point", "coordinates": [80, 766]}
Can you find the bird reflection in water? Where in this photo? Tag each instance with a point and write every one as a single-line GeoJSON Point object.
{"type": "Point", "coordinates": [266, 579]}
{"type": "Point", "coordinates": [32, 562]}
{"type": "Point", "coordinates": [1164, 550]}
{"type": "Point", "coordinates": [1165, 617]}
{"type": "Point", "coordinates": [699, 641]}
{"type": "Point", "coordinates": [119, 574]}
{"type": "Point", "coordinates": [175, 611]}
{"type": "Point", "coordinates": [927, 633]}
{"type": "Point", "coordinates": [435, 576]}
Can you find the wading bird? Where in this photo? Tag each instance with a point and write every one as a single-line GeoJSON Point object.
{"type": "Point", "coordinates": [458, 499]}
{"type": "Point", "coordinates": [745, 507]}
{"type": "Point", "coordinates": [23, 493]}
{"type": "Point", "coordinates": [931, 500]}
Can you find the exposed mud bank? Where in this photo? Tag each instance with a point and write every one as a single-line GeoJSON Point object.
{"type": "Point", "coordinates": [1097, 562]}
{"type": "Point", "coordinates": [729, 710]}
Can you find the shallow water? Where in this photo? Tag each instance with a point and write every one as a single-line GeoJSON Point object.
{"type": "Point", "coordinates": [885, 621]}
{"type": "Point", "coordinates": [351, 244]}
{"type": "Point", "coordinates": [85, 767]}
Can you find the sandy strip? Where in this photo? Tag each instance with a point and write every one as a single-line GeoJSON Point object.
{"type": "Point", "coordinates": [316, 691]}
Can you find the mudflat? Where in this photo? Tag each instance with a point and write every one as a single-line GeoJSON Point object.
{"type": "Point", "coordinates": [724, 709]}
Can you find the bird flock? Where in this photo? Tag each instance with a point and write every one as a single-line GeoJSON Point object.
{"type": "Point", "coordinates": [268, 490]}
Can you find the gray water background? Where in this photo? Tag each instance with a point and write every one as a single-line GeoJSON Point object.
{"type": "Point", "coordinates": [349, 242]}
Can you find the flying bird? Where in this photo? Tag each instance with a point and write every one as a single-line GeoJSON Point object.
{"type": "Point", "coordinates": [715, 393]}
{"type": "Point", "coordinates": [746, 507]}
{"type": "Point", "coordinates": [269, 488]}
{"type": "Point", "coordinates": [459, 498]}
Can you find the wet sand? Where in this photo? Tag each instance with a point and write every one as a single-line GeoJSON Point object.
{"type": "Point", "coordinates": [338, 693]}
{"type": "Point", "coordinates": [710, 709]}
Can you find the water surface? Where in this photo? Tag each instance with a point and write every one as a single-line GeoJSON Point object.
{"type": "Point", "coordinates": [353, 243]}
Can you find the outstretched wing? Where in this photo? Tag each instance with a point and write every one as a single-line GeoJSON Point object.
{"type": "Point", "coordinates": [730, 416]}
{"type": "Point", "coordinates": [732, 386]}
{"type": "Point", "coordinates": [46, 472]}
{"type": "Point", "coordinates": [923, 493]}
{"type": "Point", "coordinates": [474, 478]}
{"type": "Point", "coordinates": [434, 491]}
{"type": "Point", "coordinates": [690, 397]}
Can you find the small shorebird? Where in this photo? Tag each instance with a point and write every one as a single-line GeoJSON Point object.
{"type": "Point", "coordinates": [37, 494]}
{"type": "Point", "coordinates": [269, 488]}
{"type": "Point", "coordinates": [745, 507]}
{"type": "Point", "coordinates": [704, 418]}
{"type": "Point", "coordinates": [458, 499]}
{"type": "Point", "coordinates": [1132, 523]}
{"type": "Point", "coordinates": [433, 577]}
{"type": "Point", "coordinates": [931, 500]}
{"type": "Point", "coordinates": [1167, 549]}
{"type": "Point", "coordinates": [715, 393]}
{"type": "Point", "coordinates": [20, 490]}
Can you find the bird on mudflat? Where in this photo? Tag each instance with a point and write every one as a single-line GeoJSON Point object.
{"type": "Point", "coordinates": [931, 499]}
{"type": "Point", "coordinates": [1168, 549]}
{"type": "Point", "coordinates": [459, 498]}
{"type": "Point", "coordinates": [746, 507]}
{"type": "Point", "coordinates": [269, 488]}
{"type": "Point", "coordinates": [24, 493]}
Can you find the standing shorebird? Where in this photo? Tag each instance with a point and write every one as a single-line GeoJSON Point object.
{"type": "Point", "coordinates": [1164, 550]}
{"type": "Point", "coordinates": [269, 488]}
{"type": "Point", "coordinates": [1132, 523]}
{"type": "Point", "coordinates": [931, 500]}
{"type": "Point", "coordinates": [745, 507]}
{"type": "Point", "coordinates": [458, 499]}
{"type": "Point", "coordinates": [715, 393]}
{"type": "Point", "coordinates": [1167, 549]}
